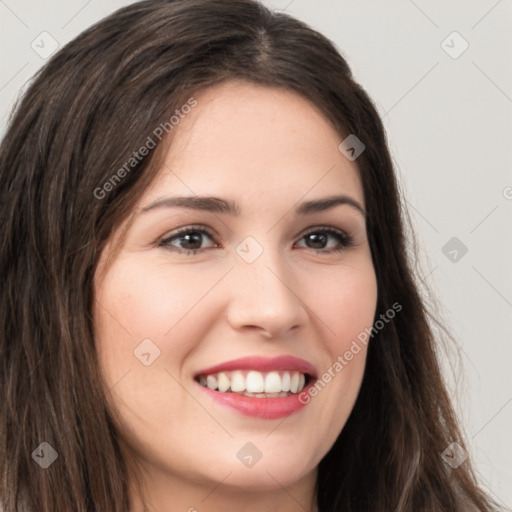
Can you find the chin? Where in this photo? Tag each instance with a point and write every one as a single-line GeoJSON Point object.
{"type": "Point", "coordinates": [275, 467]}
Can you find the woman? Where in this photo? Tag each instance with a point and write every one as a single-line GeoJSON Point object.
{"type": "Point", "coordinates": [206, 299]}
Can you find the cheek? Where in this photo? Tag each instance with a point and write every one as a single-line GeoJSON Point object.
{"type": "Point", "coordinates": [345, 304]}
{"type": "Point", "coordinates": [152, 302]}
{"type": "Point", "coordinates": [131, 308]}
{"type": "Point", "coordinates": [351, 313]}
{"type": "Point", "coordinates": [346, 308]}
{"type": "Point", "coordinates": [163, 304]}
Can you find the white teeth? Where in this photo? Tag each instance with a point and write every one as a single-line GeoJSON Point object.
{"type": "Point", "coordinates": [223, 382]}
{"type": "Point", "coordinates": [272, 383]}
{"type": "Point", "coordinates": [294, 384]}
{"type": "Point", "coordinates": [237, 382]}
{"type": "Point", "coordinates": [254, 383]}
{"type": "Point", "coordinates": [285, 385]}
{"type": "Point", "coordinates": [211, 382]}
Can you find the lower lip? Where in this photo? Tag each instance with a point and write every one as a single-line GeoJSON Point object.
{"type": "Point", "coordinates": [266, 408]}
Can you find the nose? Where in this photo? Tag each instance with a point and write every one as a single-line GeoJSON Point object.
{"type": "Point", "coordinates": [265, 297]}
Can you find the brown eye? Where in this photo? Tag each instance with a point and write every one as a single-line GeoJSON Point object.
{"type": "Point", "coordinates": [320, 239]}
{"type": "Point", "coordinates": [187, 240]}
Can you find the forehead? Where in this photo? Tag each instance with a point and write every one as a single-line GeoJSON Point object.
{"type": "Point", "coordinates": [253, 141]}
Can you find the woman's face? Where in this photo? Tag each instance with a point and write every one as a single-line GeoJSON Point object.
{"type": "Point", "coordinates": [263, 293]}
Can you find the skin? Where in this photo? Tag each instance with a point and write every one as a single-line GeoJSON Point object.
{"type": "Point", "coordinates": [267, 149]}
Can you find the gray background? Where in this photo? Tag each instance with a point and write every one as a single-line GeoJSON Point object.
{"type": "Point", "coordinates": [449, 120]}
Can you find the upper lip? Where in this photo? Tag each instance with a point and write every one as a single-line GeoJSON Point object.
{"type": "Point", "coordinates": [263, 364]}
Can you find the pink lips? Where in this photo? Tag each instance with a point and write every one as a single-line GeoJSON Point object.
{"type": "Point", "coordinates": [267, 408]}
{"type": "Point", "coordinates": [263, 364]}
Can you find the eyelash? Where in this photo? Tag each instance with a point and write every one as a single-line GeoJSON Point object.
{"type": "Point", "coordinates": [344, 240]}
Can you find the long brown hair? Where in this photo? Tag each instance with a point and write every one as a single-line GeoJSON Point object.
{"type": "Point", "coordinates": [88, 110]}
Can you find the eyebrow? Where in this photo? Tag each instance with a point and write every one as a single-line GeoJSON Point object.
{"type": "Point", "coordinates": [218, 205]}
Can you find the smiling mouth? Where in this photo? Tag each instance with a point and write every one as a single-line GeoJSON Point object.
{"type": "Point", "coordinates": [256, 384]}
